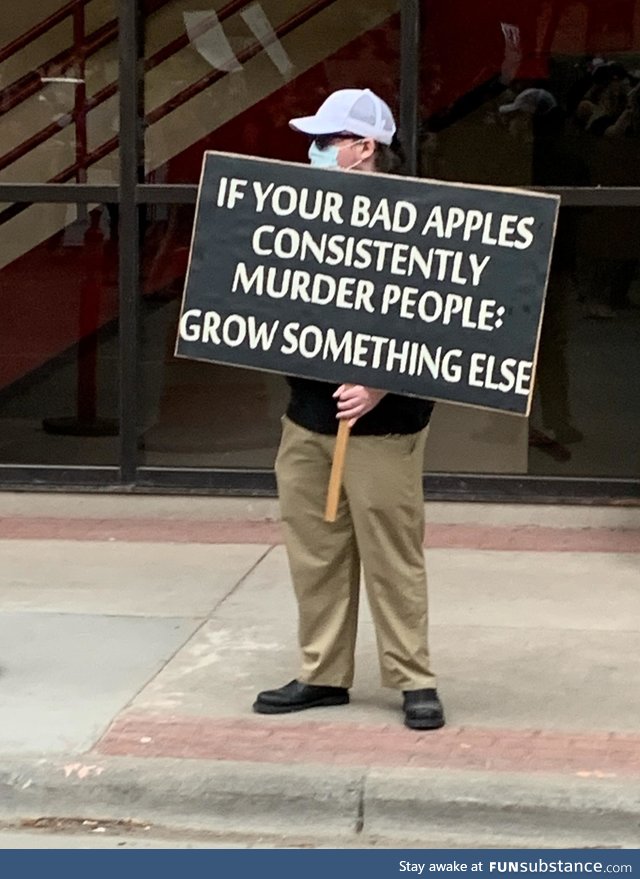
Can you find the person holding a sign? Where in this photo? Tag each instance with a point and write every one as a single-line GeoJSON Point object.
{"type": "Point", "coordinates": [380, 517]}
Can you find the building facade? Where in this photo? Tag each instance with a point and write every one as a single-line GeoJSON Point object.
{"type": "Point", "coordinates": [107, 107]}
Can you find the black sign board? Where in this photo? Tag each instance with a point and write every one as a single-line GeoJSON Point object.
{"type": "Point", "coordinates": [412, 286]}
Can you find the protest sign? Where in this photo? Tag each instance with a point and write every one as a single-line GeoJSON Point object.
{"type": "Point", "coordinates": [416, 287]}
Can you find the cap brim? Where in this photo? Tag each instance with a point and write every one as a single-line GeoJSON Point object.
{"type": "Point", "coordinates": [508, 108]}
{"type": "Point", "coordinates": [311, 125]}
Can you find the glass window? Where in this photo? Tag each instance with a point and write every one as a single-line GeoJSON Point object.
{"type": "Point", "coordinates": [195, 414]}
{"type": "Point", "coordinates": [543, 93]}
{"type": "Point", "coordinates": [59, 92]}
{"type": "Point", "coordinates": [548, 94]}
{"type": "Point", "coordinates": [230, 80]}
{"type": "Point", "coordinates": [58, 334]}
{"type": "Point", "coordinates": [584, 421]}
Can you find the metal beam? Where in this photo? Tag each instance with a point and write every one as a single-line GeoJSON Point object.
{"type": "Point", "coordinates": [131, 73]}
{"type": "Point", "coordinates": [410, 82]}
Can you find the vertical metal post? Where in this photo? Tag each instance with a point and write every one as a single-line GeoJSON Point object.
{"type": "Point", "coordinates": [131, 71]}
{"type": "Point", "coordinates": [410, 81]}
{"type": "Point", "coordinates": [80, 102]}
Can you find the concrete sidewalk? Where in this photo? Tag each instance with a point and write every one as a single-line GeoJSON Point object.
{"type": "Point", "coordinates": [135, 632]}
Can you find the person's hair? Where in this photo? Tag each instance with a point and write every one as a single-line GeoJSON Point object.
{"type": "Point", "coordinates": [390, 159]}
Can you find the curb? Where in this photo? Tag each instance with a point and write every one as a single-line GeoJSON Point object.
{"type": "Point", "coordinates": [187, 794]}
{"type": "Point", "coordinates": [211, 509]}
{"type": "Point", "coordinates": [535, 811]}
{"type": "Point", "coordinates": [350, 803]}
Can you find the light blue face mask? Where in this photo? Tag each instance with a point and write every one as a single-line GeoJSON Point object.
{"type": "Point", "coordinates": [328, 157]}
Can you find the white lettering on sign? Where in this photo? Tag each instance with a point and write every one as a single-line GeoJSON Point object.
{"type": "Point", "coordinates": [434, 288]}
{"type": "Point", "coordinates": [231, 192]}
{"type": "Point", "coordinates": [432, 307]}
{"type": "Point", "coordinates": [234, 330]}
{"type": "Point", "coordinates": [401, 217]}
{"type": "Point", "coordinates": [484, 370]}
{"type": "Point", "coordinates": [320, 289]}
{"type": "Point", "coordinates": [359, 294]}
{"type": "Point", "coordinates": [358, 349]}
{"type": "Point", "coordinates": [504, 230]}
{"type": "Point", "coordinates": [436, 263]}
{"type": "Point", "coordinates": [285, 201]}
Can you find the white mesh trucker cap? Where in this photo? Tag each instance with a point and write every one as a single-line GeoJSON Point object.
{"type": "Point", "coordinates": [358, 111]}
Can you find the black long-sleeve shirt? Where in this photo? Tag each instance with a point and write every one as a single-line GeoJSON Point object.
{"type": "Point", "coordinates": [313, 407]}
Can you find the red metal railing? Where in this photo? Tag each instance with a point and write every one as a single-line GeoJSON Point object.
{"type": "Point", "coordinates": [183, 40]}
{"type": "Point", "coordinates": [248, 53]}
{"type": "Point", "coordinates": [54, 128]}
{"type": "Point", "coordinates": [41, 28]}
{"type": "Point", "coordinates": [94, 306]}
{"type": "Point", "coordinates": [31, 83]}
{"type": "Point", "coordinates": [83, 45]}
{"type": "Point", "coordinates": [86, 45]}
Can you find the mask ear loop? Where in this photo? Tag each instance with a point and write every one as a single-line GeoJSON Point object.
{"type": "Point", "coordinates": [360, 161]}
{"type": "Point", "coordinates": [346, 146]}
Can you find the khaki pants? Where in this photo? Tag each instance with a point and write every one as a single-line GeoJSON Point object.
{"type": "Point", "coordinates": [381, 524]}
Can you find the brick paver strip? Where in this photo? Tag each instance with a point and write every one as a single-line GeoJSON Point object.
{"type": "Point", "coordinates": [274, 740]}
{"type": "Point", "coordinates": [450, 536]}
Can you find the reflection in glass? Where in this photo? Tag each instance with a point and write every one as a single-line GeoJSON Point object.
{"type": "Point", "coordinates": [58, 335]}
{"type": "Point", "coordinates": [230, 80]}
{"type": "Point", "coordinates": [541, 93]}
{"type": "Point", "coordinates": [58, 93]}
{"type": "Point", "coordinates": [583, 422]}
{"type": "Point", "coordinates": [195, 414]}
{"type": "Point", "coordinates": [548, 94]}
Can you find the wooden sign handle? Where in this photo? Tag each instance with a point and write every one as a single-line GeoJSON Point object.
{"type": "Point", "coordinates": [337, 469]}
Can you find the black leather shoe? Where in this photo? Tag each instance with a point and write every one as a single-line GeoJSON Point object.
{"type": "Point", "coordinates": [422, 709]}
{"type": "Point", "coordinates": [296, 696]}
